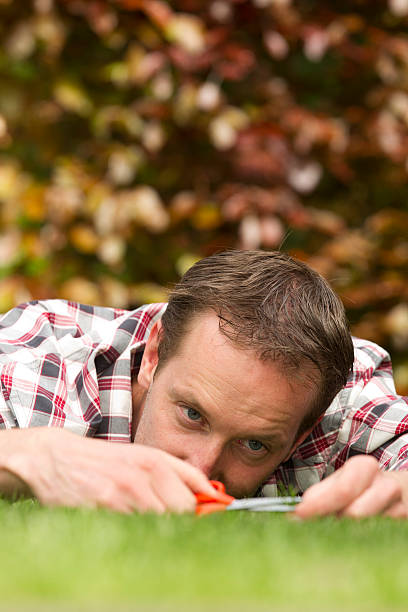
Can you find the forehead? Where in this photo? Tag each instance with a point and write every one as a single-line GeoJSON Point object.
{"type": "Point", "coordinates": [231, 383]}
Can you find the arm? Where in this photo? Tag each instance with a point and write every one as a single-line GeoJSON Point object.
{"type": "Point", "coordinates": [371, 474]}
{"type": "Point", "coordinates": [359, 488]}
{"type": "Point", "coordinates": [62, 469]}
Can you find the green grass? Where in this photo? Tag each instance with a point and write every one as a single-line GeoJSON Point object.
{"type": "Point", "coordinates": [99, 560]}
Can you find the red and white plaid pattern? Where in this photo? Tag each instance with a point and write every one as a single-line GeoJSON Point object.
{"type": "Point", "coordinates": [69, 365]}
{"type": "Point", "coordinates": [367, 417]}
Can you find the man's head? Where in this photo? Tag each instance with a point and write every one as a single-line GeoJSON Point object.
{"type": "Point", "coordinates": [270, 304]}
{"type": "Point", "coordinates": [264, 342]}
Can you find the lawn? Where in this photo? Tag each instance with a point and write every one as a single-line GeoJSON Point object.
{"type": "Point", "coordinates": [96, 560]}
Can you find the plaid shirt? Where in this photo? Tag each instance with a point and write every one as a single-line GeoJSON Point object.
{"type": "Point", "coordinates": [69, 365]}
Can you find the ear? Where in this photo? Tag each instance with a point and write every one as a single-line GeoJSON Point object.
{"type": "Point", "coordinates": [150, 357]}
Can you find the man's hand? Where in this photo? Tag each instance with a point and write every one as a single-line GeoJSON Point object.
{"type": "Point", "coordinates": [358, 489]}
{"type": "Point", "coordinates": [62, 469]}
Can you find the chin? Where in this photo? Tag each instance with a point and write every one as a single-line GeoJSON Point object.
{"type": "Point", "coordinates": [239, 492]}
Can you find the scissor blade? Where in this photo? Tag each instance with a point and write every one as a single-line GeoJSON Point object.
{"type": "Point", "coordinates": [265, 504]}
{"type": "Point", "coordinates": [273, 508]}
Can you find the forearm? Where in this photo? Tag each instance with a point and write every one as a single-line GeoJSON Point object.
{"type": "Point", "coordinates": [60, 468]}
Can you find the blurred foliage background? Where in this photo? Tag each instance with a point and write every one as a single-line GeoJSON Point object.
{"type": "Point", "coordinates": [137, 136]}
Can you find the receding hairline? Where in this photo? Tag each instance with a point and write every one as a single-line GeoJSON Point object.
{"type": "Point", "coordinates": [306, 373]}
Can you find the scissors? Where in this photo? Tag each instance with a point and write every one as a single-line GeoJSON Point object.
{"type": "Point", "coordinates": [206, 504]}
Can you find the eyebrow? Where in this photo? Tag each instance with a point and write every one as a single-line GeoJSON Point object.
{"type": "Point", "coordinates": [189, 399]}
{"type": "Point", "coordinates": [276, 439]}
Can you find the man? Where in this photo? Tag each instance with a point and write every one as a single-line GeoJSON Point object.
{"type": "Point", "coordinates": [246, 377]}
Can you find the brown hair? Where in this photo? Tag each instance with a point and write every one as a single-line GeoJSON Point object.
{"type": "Point", "coordinates": [271, 304]}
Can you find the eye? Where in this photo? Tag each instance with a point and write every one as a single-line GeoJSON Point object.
{"type": "Point", "coordinates": [192, 414]}
{"type": "Point", "coordinates": [253, 445]}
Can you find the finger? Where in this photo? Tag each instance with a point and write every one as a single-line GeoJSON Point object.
{"type": "Point", "coordinates": [196, 480]}
{"type": "Point", "coordinates": [397, 511]}
{"type": "Point", "coordinates": [383, 493]}
{"type": "Point", "coordinates": [150, 503]}
{"type": "Point", "coordinates": [174, 494]}
{"type": "Point", "coordinates": [340, 489]}
{"type": "Point", "coordinates": [126, 495]}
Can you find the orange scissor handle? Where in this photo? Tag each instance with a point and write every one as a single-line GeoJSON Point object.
{"type": "Point", "coordinates": [207, 504]}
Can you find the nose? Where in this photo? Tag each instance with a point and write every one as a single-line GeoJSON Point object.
{"type": "Point", "coordinates": [206, 456]}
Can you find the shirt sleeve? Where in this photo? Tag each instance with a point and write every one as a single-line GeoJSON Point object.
{"type": "Point", "coordinates": [46, 373]}
{"type": "Point", "coordinates": [376, 417]}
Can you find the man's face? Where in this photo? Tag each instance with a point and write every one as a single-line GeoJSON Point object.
{"type": "Point", "coordinates": [220, 408]}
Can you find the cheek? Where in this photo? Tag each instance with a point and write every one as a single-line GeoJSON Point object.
{"type": "Point", "coordinates": [149, 422]}
{"type": "Point", "coordinates": [155, 427]}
